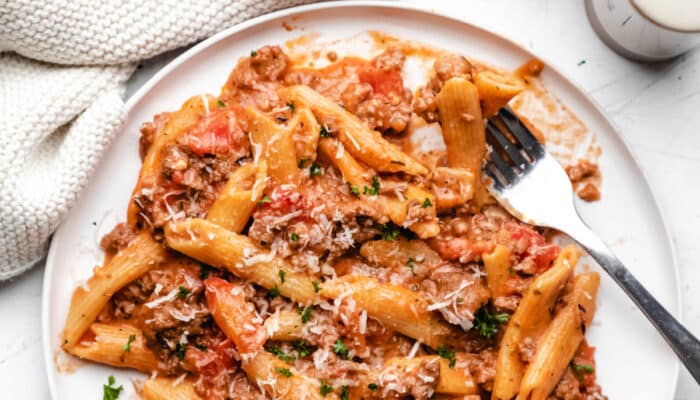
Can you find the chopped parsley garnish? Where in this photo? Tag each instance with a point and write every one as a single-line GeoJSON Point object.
{"type": "Point", "coordinates": [582, 369]}
{"type": "Point", "coordinates": [294, 236]}
{"type": "Point", "coordinates": [315, 170]}
{"type": "Point", "coordinates": [284, 372]}
{"type": "Point", "coordinates": [274, 292]}
{"type": "Point", "coordinates": [427, 203]}
{"type": "Point", "coordinates": [127, 346]}
{"type": "Point", "coordinates": [324, 132]}
{"type": "Point", "coordinates": [182, 292]}
{"type": "Point", "coordinates": [281, 273]}
{"type": "Point", "coordinates": [180, 352]}
{"type": "Point", "coordinates": [389, 231]}
{"type": "Point", "coordinates": [317, 286]}
{"type": "Point", "coordinates": [279, 353]}
{"type": "Point", "coordinates": [354, 189]}
{"type": "Point", "coordinates": [374, 190]}
{"type": "Point", "coordinates": [486, 324]}
{"type": "Point", "coordinates": [220, 104]}
{"type": "Point", "coordinates": [325, 388]}
{"type": "Point", "coordinates": [303, 161]}
{"type": "Point", "coordinates": [372, 386]}
{"type": "Point", "coordinates": [305, 314]}
{"type": "Point", "coordinates": [265, 199]}
{"type": "Point", "coordinates": [109, 392]}
{"type": "Point", "coordinates": [344, 392]}
{"type": "Point", "coordinates": [290, 106]}
{"type": "Point", "coordinates": [411, 263]}
{"type": "Point", "coordinates": [340, 349]}
{"type": "Point", "coordinates": [204, 272]}
{"type": "Point", "coordinates": [253, 53]}
{"type": "Point", "coordinates": [301, 348]}
{"type": "Point", "coordinates": [447, 354]}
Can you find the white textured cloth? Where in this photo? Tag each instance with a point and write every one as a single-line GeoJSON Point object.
{"type": "Point", "coordinates": [63, 66]}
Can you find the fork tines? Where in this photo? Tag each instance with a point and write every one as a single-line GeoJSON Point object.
{"type": "Point", "coordinates": [513, 148]}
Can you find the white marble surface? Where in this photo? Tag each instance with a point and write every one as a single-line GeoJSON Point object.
{"type": "Point", "coordinates": [657, 108]}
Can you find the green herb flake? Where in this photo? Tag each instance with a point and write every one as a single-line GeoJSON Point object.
{"type": "Point", "coordinates": [274, 292]}
{"type": "Point", "coordinates": [109, 391]}
{"type": "Point", "coordinates": [303, 162]}
{"type": "Point", "coordinates": [290, 106]}
{"type": "Point", "coordinates": [265, 200]}
{"type": "Point", "coordinates": [344, 392]}
{"type": "Point", "coordinates": [486, 323]}
{"type": "Point", "coordinates": [317, 286]}
{"type": "Point", "coordinates": [127, 345]}
{"type": "Point", "coordinates": [389, 231]}
{"type": "Point", "coordinates": [411, 263]}
{"type": "Point", "coordinates": [581, 370]}
{"type": "Point", "coordinates": [301, 348]}
{"type": "Point", "coordinates": [293, 236]}
{"type": "Point", "coordinates": [253, 53]}
{"type": "Point", "coordinates": [306, 314]}
{"type": "Point", "coordinates": [324, 132]}
{"type": "Point", "coordinates": [284, 372]}
{"type": "Point", "coordinates": [354, 190]}
{"type": "Point", "coordinates": [325, 388]}
{"type": "Point", "coordinates": [220, 104]}
{"type": "Point", "coordinates": [281, 273]}
{"type": "Point", "coordinates": [204, 272]}
{"type": "Point", "coordinates": [315, 170]}
{"type": "Point", "coordinates": [340, 349]}
{"type": "Point", "coordinates": [180, 351]}
{"type": "Point", "coordinates": [447, 354]}
{"type": "Point", "coordinates": [374, 190]}
{"type": "Point", "coordinates": [182, 292]}
{"type": "Point", "coordinates": [427, 203]}
{"type": "Point", "coordinates": [277, 351]}
{"type": "Point", "coordinates": [372, 386]}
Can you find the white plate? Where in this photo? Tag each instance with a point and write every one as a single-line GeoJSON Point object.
{"type": "Point", "coordinates": [630, 352]}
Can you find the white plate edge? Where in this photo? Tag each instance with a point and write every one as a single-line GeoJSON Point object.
{"type": "Point", "coordinates": [146, 87]}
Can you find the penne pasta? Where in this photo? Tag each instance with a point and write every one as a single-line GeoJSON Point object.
{"type": "Point", "coordinates": [162, 388]}
{"type": "Point", "coordinates": [496, 89]}
{"type": "Point", "coordinates": [529, 321]}
{"type": "Point", "coordinates": [235, 316]}
{"type": "Point", "coordinates": [284, 325]}
{"type": "Point", "coordinates": [273, 144]}
{"type": "Point", "coordinates": [219, 247]}
{"type": "Point", "coordinates": [239, 322]}
{"type": "Point", "coordinates": [497, 266]}
{"type": "Point", "coordinates": [117, 345]}
{"type": "Point", "coordinates": [463, 129]}
{"type": "Point", "coordinates": [238, 199]}
{"type": "Point", "coordinates": [563, 336]}
{"type": "Point", "coordinates": [305, 132]}
{"type": "Point", "coordinates": [352, 171]}
{"type": "Point", "coordinates": [142, 253]}
{"type": "Point", "coordinates": [176, 126]}
{"type": "Point", "coordinates": [363, 143]}
{"type": "Point", "coordinates": [394, 306]}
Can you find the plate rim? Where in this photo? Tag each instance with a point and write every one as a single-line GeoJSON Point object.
{"type": "Point", "coordinates": [141, 92]}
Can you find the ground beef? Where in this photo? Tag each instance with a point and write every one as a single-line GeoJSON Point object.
{"type": "Point", "coordinates": [458, 293]}
{"type": "Point", "coordinates": [149, 132]}
{"type": "Point", "coordinates": [118, 238]}
{"type": "Point", "coordinates": [585, 176]}
{"type": "Point", "coordinates": [417, 381]}
{"type": "Point", "coordinates": [446, 67]}
{"type": "Point", "coordinates": [481, 366]}
{"type": "Point", "coordinates": [254, 80]}
{"type": "Point", "coordinates": [571, 388]}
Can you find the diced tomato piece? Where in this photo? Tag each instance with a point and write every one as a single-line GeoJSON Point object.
{"type": "Point", "coordinates": [382, 81]}
{"type": "Point", "coordinates": [586, 356]}
{"type": "Point", "coordinates": [545, 255]}
{"type": "Point", "coordinates": [215, 134]}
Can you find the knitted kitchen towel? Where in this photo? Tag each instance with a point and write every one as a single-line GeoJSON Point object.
{"type": "Point", "coordinates": [63, 68]}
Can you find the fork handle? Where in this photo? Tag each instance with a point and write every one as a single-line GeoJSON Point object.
{"type": "Point", "coordinates": [683, 343]}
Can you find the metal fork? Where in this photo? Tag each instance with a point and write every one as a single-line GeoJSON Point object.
{"type": "Point", "coordinates": [532, 186]}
